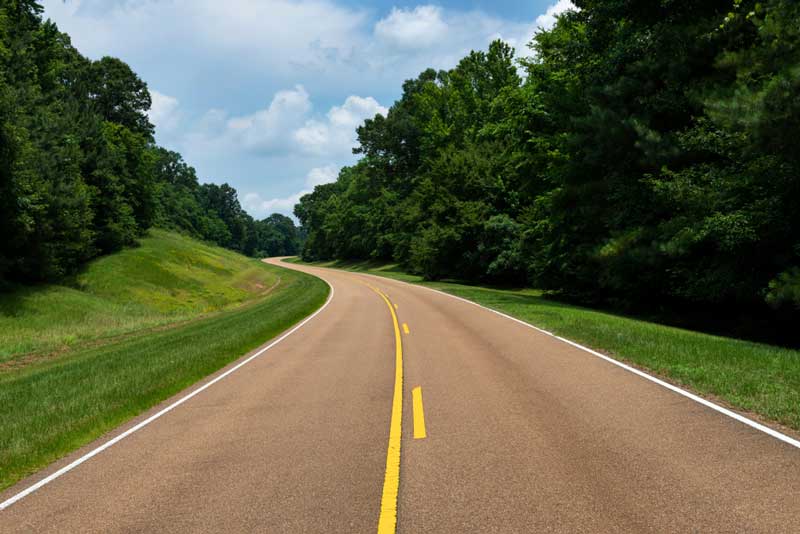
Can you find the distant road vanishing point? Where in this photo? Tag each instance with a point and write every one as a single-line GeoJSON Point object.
{"type": "Point", "coordinates": [397, 408]}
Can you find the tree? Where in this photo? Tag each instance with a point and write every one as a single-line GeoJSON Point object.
{"type": "Point", "coordinates": [222, 201]}
{"type": "Point", "coordinates": [647, 160]}
{"type": "Point", "coordinates": [119, 95]}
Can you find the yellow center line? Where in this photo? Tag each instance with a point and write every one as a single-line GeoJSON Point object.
{"type": "Point", "coordinates": [387, 522]}
{"type": "Point", "coordinates": [419, 414]}
{"type": "Point", "coordinates": [405, 328]}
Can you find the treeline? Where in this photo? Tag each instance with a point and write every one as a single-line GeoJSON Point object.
{"type": "Point", "coordinates": [646, 155]}
{"type": "Point", "coordinates": [80, 173]}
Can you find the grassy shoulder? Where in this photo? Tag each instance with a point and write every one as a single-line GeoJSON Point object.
{"type": "Point", "coordinates": [755, 377]}
{"type": "Point", "coordinates": [168, 279]}
{"type": "Point", "coordinates": [58, 402]}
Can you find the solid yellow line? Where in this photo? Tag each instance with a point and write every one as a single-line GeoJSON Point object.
{"type": "Point", "coordinates": [387, 522]}
{"type": "Point", "coordinates": [395, 306]}
{"type": "Point", "coordinates": [405, 328]}
{"type": "Point", "coordinates": [419, 414]}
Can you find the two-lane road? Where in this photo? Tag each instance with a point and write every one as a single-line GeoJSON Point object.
{"type": "Point", "coordinates": [523, 433]}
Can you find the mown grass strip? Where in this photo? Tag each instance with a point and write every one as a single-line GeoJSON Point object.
{"type": "Point", "coordinates": [755, 377]}
{"type": "Point", "coordinates": [60, 405]}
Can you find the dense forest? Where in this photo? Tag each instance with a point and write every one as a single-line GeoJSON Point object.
{"type": "Point", "coordinates": [80, 173]}
{"type": "Point", "coordinates": [645, 155]}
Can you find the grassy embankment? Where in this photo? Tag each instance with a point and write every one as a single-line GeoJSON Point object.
{"type": "Point", "coordinates": [133, 329]}
{"type": "Point", "coordinates": [755, 377]}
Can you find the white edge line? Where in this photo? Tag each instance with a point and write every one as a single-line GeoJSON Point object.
{"type": "Point", "coordinates": [24, 493]}
{"type": "Point", "coordinates": [733, 415]}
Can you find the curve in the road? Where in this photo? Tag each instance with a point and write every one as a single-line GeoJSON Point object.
{"type": "Point", "coordinates": [526, 432]}
{"type": "Point", "coordinates": [680, 391]}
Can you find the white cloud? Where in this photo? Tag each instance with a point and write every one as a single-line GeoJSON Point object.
{"type": "Point", "coordinates": [260, 207]}
{"type": "Point", "coordinates": [262, 133]}
{"type": "Point", "coordinates": [337, 133]}
{"type": "Point", "coordinates": [285, 127]}
{"type": "Point", "coordinates": [521, 36]}
{"type": "Point", "coordinates": [409, 41]}
{"type": "Point", "coordinates": [322, 175]}
{"type": "Point", "coordinates": [237, 31]}
{"type": "Point", "coordinates": [418, 28]}
{"type": "Point", "coordinates": [163, 112]}
{"type": "Point", "coordinates": [277, 43]}
{"type": "Point", "coordinates": [265, 130]}
{"type": "Point", "coordinates": [548, 19]}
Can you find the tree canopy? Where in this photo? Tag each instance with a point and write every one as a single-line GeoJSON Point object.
{"type": "Point", "coordinates": [644, 155]}
{"type": "Point", "coordinates": [80, 173]}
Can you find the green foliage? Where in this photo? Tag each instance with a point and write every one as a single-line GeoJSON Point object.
{"type": "Point", "coordinates": [785, 288]}
{"type": "Point", "coordinates": [118, 95]}
{"type": "Point", "coordinates": [80, 174]}
{"type": "Point", "coordinates": [123, 190]}
{"type": "Point", "coordinates": [277, 236]}
{"type": "Point", "coordinates": [647, 159]}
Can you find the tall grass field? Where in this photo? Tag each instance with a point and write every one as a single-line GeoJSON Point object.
{"type": "Point", "coordinates": [136, 327]}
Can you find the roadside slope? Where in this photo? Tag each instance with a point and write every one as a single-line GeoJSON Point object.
{"type": "Point", "coordinates": [167, 279]}
{"type": "Point", "coordinates": [58, 400]}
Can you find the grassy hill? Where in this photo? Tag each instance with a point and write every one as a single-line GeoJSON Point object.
{"type": "Point", "coordinates": [169, 279]}
{"type": "Point", "coordinates": [134, 328]}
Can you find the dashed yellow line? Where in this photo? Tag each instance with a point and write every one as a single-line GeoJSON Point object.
{"type": "Point", "coordinates": [387, 522]}
{"type": "Point", "coordinates": [405, 328]}
{"type": "Point", "coordinates": [419, 414]}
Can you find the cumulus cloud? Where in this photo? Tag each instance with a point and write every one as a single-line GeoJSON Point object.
{"type": "Point", "coordinates": [520, 37]}
{"type": "Point", "coordinates": [262, 133]}
{"type": "Point", "coordinates": [337, 133]}
{"type": "Point", "coordinates": [412, 28]}
{"type": "Point", "coordinates": [265, 130]}
{"type": "Point", "coordinates": [163, 114]}
{"type": "Point", "coordinates": [239, 30]}
{"type": "Point", "coordinates": [259, 207]}
{"type": "Point", "coordinates": [322, 175]}
{"type": "Point", "coordinates": [548, 19]}
{"type": "Point", "coordinates": [286, 126]}
{"type": "Point", "coordinates": [233, 45]}
{"type": "Point", "coordinates": [408, 41]}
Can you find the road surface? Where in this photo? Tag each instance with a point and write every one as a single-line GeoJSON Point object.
{"type": "Point", "coordinates": [522, 433]}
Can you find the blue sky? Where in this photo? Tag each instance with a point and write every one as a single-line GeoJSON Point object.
{"type": "Point", "coordinates": [266, 94]}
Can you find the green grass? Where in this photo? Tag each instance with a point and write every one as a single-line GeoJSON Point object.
{"type": "Point", "coordinates": [755, 377]}
{"type": "Point", "coordinates": [57, 402]}
{"type": "Point", "coordinates": [168, 279]}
